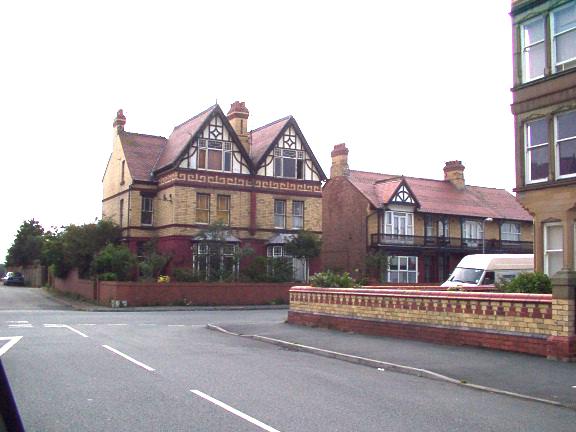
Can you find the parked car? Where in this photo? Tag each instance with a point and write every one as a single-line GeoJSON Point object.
{"type": "Point", "coordinates": [13, 278]}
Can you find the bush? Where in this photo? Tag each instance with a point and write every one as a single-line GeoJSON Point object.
{"type": "Point", "coordinates": [184, 275]}
{"type": "Point", "coordinates": [534, 283]}
{"type": "Point", "coordinates": [109, 276]}
{"type": "Point", "coordinates": [266, 269]}
{"type": "Point", "coordinates": [116, 260]}
{"type": "Point", "coordinates": [329, 279]}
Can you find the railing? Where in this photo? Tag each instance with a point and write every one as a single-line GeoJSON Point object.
{"type": "Point", "coordinates": [490, 245]}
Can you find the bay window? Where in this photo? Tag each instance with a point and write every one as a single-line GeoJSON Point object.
{"type": "Point", "coordinates": [564, 37]}
{"type": "Point", "coordinates": [565, 144]}
{"type": "Point", "coordinates": [533, 49]}
{"type": "Point", "coordinates": [147, 211]}
{"type": "Point", "coordinates": [536, 139]}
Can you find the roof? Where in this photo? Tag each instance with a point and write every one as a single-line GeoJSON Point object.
{"type": "Point", "coordinates": [263, 137]}
{"type": "Point", "coordinates": [141, 152]}
{"type": "Point", "coordinates": [181, 135]}
{"type": "Point", "coordinates": [441, 196]}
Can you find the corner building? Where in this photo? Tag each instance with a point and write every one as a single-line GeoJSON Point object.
{"type": "Point", "coordinates": [544, 108]}
{"type": "Point", "coordinates": [264, 184]}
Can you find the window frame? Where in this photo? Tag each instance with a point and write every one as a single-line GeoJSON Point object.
{"type": "Point", "coordinates": [277, 215]}
{"type": "Point", "coordinates": [557, 67]}
{"type": "Point", "coordinates": [204, 151]}
{"type": "Point", "coordinates": [280, 155]}
{"type": "Point", "coordinates": [406, 271]}
{"type": "Point", "coordinates": [547, 251]}
{"type": "Point", "coordinates": [297, 217]}
{"type": "Point", "coordinates": [524, 49]}
{"type": "Point", "coordinates": [147, 210]}
{"type": "Point", "coordinates": [223, 212]}
{"type": "Point", "coordinates": [389, 227]}
{"type": "Point", "coordinates": [200, 210]}
{"type": "Point", "coordinates": [558, 142]}
{"type": "Point", "coordinates": [510, 233]}
{"type": "Point", "coordinates": [528, 148]}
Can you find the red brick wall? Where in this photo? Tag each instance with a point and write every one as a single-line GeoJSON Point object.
{"type": "Point", "coordinates": [74, 285]}
{"type": "Point", "coordinates": [344, 229]}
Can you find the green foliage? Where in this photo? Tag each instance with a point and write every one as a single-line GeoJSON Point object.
{"type": "Point", "coordinates": [108, 276]}
{"type": "Point", "coordinates": [184, 275]}
{"type": "Point", "coordinates": [267, 269]}
{"type": "Point", "coordinates": [153, 263]}
{"type": "Point", "coordinates": [114, 260]}
{"type": "Point", "coordinates": [377, 263]}
{"type": "Point", "coordinates": [304, 245]}
{"type": "Point", "coordinates": [27, 246]}
{"type": "Point", "coordinates": [329, 279]}
{"type": "Point", "coordinates": [535, 283]}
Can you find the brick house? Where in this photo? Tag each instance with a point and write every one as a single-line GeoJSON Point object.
{"type": "Point", "coordinates": [263, 184]}
{"type": "Point", "coordinates": [424, 226]}
{"type": "Point", "coordinates": [544, 108]}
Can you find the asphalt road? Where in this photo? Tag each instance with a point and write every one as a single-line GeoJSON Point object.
{"type": "Point", "coordinates": [163, 371]}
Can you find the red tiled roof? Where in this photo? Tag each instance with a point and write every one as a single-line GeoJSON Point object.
{"type": "Point", "coordinates": [180, 136]}
{"type": "Point", "coordinates": [442, 197]}
{"type": "Point", "coordinates": [141, 152]}
{"type": "Point", "coordinates": [262, 138]}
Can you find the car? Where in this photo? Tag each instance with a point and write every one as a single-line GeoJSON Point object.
{"type": "Point", "coordinates": [13, 278]}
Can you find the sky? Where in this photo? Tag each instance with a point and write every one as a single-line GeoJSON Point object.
{"type": "Point", "coordinates": [406, 85]}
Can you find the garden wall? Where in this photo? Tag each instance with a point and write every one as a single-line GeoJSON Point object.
{"type": "Point", "coordinates": [174, 293]}
{"type": "Point", "coordinates": [529, 323]}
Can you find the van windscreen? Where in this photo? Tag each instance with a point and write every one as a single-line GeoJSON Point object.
{"type": "Point", "coordinates": [466, 275]}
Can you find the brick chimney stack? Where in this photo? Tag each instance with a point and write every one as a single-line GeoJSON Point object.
{"type": "Point", "coordinates": [454, 173]}
{"type": "Point", "coordinates": [339, 161]}
{"type": "Point", "coordinates": [238, 117]}
{"type": "Point", "coordinates": [119, 121]}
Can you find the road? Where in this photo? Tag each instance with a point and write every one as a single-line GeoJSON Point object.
{"type": "Point", "coordinates": [164, 371]}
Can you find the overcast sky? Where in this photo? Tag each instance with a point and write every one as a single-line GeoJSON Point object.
{"type": "Point", "coordinates": [406, 85]}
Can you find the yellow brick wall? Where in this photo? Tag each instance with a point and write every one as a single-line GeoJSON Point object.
{"type": "Point", "coordinates": [112, 180]}
{"type": "Point", "coordinates": [265, 212]}
{"type": "Point", "coordinates": [378, 307]}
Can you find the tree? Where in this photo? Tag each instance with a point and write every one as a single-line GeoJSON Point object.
{"type": "Point", "coordinates": [304, 245]}
{"type": "Point", "coordinates": [27, 246]}
{"type": "Point", "coordinates": [153, 263]}
{"type": "Point", "coordinates": [114, 261]}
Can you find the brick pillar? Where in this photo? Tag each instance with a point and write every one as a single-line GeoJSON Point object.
{"type": "Point", "coordinates": [562, 343]}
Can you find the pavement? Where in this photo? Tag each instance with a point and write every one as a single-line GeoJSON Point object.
{"type": "Point", "coordinates": [513, 374]}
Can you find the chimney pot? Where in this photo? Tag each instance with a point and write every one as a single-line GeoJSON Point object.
{"type": "Point", "coordinates": [454, 173]}
{"type": "Point", "coordinates": [339, 161]}
{"type": "Point", "coordinates": [120, 120]}
{"type": "Point", "coordinates": [238, 117]}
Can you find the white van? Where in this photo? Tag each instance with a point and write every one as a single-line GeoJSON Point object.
{"type": "Point", "coordinates": [488, 269]}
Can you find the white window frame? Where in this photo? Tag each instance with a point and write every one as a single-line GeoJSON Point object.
{"type": "Point", "coordinates": [471, 227]}
{"type": "Point", "coordinates": [280, 217]}
{"type": "Point", "coordinates": [147, 209]}
{"type": "Point", "coordinates": [547, 251]}
{"type": "Point", "coordinates": [558, 67]}
{"type": "Point", "coordinates": [510, 231]}
{"type": "Point", "coordinates": [403, 260]}
{"type": "Point", "coordinates": [297, 215]}
{"type": "Point", "coordinates": [392, 223]}
{"type": "Point", "coordinates": [558, 142]}
{"type": "Point", "coordinates": [210, 145]}
{"type": "Point", "coordinates": [526, 49]}
{"type": "Point", "coordinates": [528, 148]}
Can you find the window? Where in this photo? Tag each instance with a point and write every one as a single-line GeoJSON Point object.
{"type": "Point", "coordinates": [398, 227]}
{"type": "Point", "coordinates": [279, 214]}
{"type": "Point", "coordinates": [564, 37]}
{"type": "Point", "coordinates": [403, 269]}
{"type": "Point", "coordinates": [202, 208]}
{"type": "Point", "coordinates": [214, 155]}
{"type": "Point", "coordinates": [471, 233]}
{"type": "Point", "coordinates": [121, 212]}
{"type": "Point", "coordinates": [510, 231]}
{"type": "Point", "coordinates": [276, 251]}
{"type": "Point", "coordinates": [297, 214]}
{"type": "Point", "coordinates": [566, 144]}
{"type": "Point", "coordinates": [443, 228]}
{"type": "Point", "coordinates": [428, 226]}
{"type": "Point", "coordinates": [288, 163]}
{"type": "Point", "coordinates": [213, 261]}
{"type": "Point", "coordinates": [146, 214]}
{"type": "Point", "coordinates": [537, 150]}
{"type": "Point", "coordinates": [533, 49]}
{"type": "Point", "coordinates": [553, 248]}
{"type": "Point", "coordinates": [122, 173]}
{"type": "Point", "coordinates": [223, 209]}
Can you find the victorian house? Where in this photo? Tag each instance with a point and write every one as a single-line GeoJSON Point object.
{"type": "Point", "coordinates": [263, 185]}
{"type": "Point", "coordinates": [423, 226]}
{"type": "Point", "coordinates": [544, 108]}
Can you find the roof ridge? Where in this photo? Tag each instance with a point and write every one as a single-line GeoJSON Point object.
{"type": "Point", "coordinates": [271, 123]}
{"type": "Point", "coordinates": [196, 116]}
{"type": "Point", "coordinates": [400, 177]}
{"type": "Point", "coordinates": [145, 135]}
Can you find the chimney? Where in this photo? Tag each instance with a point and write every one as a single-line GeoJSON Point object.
{"type": "Point", "coordinates": [339, 161]}
{"type": "Point", "coordinates": [119, 121]}
{"type": "Point", "coordinates": [454, 173]}
{"type": "Point", "coordinates": [238, 116]}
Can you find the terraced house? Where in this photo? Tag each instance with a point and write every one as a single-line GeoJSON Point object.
{"type": "Point", "coordinates": [544, 108]}
{"type": "Point", "coordinates": [424, 226]}
{"type": "Point", "coordinates": [264, 185]}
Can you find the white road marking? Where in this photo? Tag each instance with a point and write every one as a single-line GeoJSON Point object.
{"type": "Point", "coordinates": [175, 325]}
{"type": "Point", "coordinates": [117, 324]}
{"type": "Point", "coordinates": [18, 322]}
{"type": "Point", "coordinates": [20, 325]}
{"type": "Point", "coordinates": [127, 357]}
{"type": "Point", "coordinates": [86, 324]}
{"type": "Point", "coordinates": [235, 411]}
{"type": "Point", "coordinates": [66, 327]}
{"type": "Point", "coordinates": [12, 340]}
{"type": "Point", "coordinates": [147, 324]}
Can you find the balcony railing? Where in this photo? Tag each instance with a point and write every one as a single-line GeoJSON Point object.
{"type": "Point", "coordinates": [468, 245]}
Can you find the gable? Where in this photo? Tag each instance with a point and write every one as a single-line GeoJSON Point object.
{"type": "Point", "coordinates": [289, 156]}
{"type": "Point", "coordinates": [403, 195]}
{"type": "Point", "coordinates": [215, 147]}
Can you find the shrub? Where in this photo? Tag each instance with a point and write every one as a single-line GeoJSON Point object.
{"type": "Point", "coordinates": [108, 276]}
{"type": "Point", "coordinates": [535, 283]}
{"type": "Point", "coordinates": [184, 275]}
{"type": "Point", "coordinates": [116, 260]}
{"type": "Point", "coordinates": [266, 269]}
{"type": "Point", "coordinates": [329, 279]}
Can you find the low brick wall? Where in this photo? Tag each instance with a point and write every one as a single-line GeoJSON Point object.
{"type": "Point", "coordinates": [175, 293]}
{"type": "Point", "coordinates": [526, 323]}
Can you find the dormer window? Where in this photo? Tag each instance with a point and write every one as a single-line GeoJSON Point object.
{"type": "Point", "coordinates": [288, 163]}
{"type": "Point", "coordinates": [214, 155]}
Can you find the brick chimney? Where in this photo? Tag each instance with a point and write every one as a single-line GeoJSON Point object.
{"type": "Point", "coordinates": [454, 173]}
{"type": "Point", "coordinates": [119, 121]}
{"type": "Point", "coordinates": [339, 161]}
{"type": "Point", "coordinates": [238, 116]}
